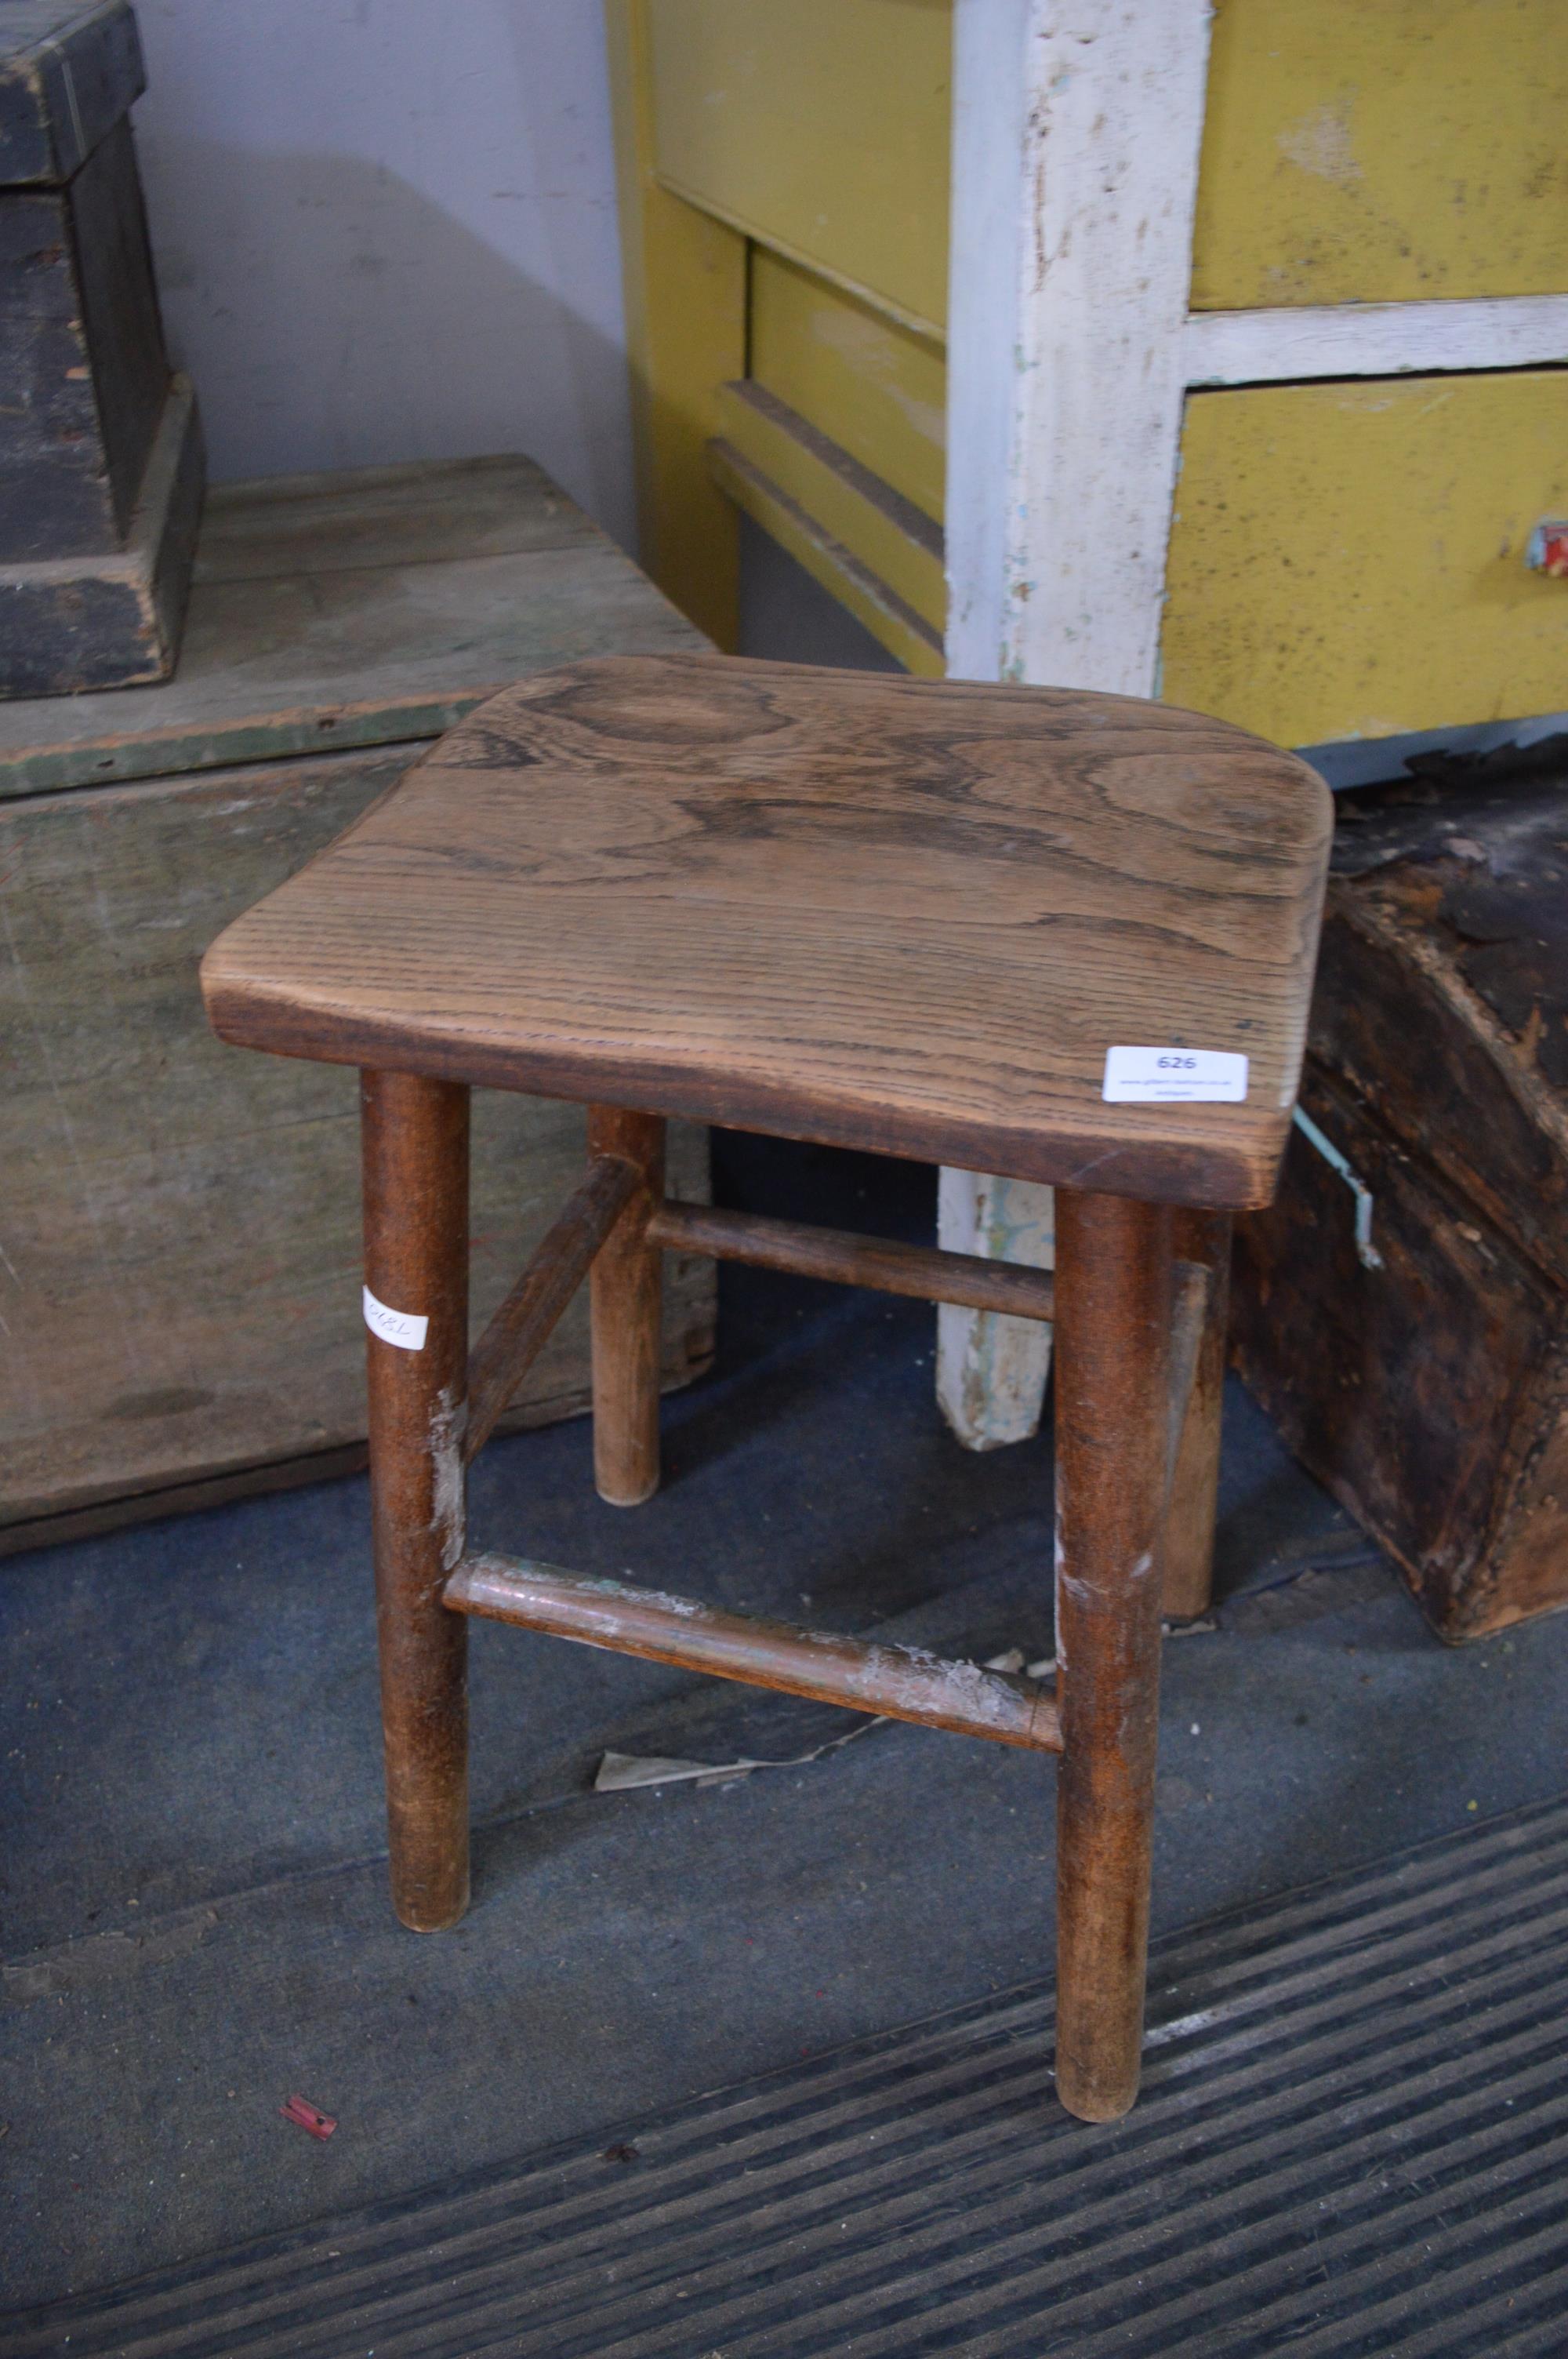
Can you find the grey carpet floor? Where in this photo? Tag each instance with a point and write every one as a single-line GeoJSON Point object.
{"type": "Point", "coordinates": [195, 1918]}
{"type": "Point", "coordinates": [1350, 2142]}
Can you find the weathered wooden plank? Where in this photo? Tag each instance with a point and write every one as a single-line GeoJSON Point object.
{"type": "Point", "coordinates": [179, 1253]}
{"type": "Point", "coordinates": [67, 75]}
{"type": "Point", "coordinates": [54, 498]}
{"type": "Point", "coordinates": [1075, 171]}
{"type": "Point", "coordinates": [110, 622]}
{"type": "Point", "coordinates": [120, 314]}
{"type": "Point", "coordinates": [296, 663]}
{"type": "Point", "coordinates": [1424, 1377]}
{"type": "Point", "coordinates": [416, 513]}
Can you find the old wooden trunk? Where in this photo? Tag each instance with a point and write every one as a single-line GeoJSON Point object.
{"type": "Point", "coordinates": [179, 1254]}
{"type": "Point", "coordinates": [1425, 1379]}
{"type": "Point", "coordinates": [100, 468]}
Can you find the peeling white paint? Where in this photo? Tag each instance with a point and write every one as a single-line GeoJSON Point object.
{"type": "Point", "coordinates": [1076, 140]}
{"type": "Point", "coordinates": [992, 1370]}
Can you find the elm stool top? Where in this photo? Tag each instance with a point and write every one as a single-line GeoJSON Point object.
{"type": "Point", "coordinates": [901, 915]}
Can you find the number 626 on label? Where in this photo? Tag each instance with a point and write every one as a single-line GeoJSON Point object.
{"type": "Point", "coordinates": [1174, 1076]}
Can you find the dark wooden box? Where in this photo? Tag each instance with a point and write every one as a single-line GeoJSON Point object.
{"type": "Point", "coordinates": [179, 1255]}
{"type": "Point", "coordinates": [100, 467]}
{"type": "Point", "coordinates": [1424, 1378]}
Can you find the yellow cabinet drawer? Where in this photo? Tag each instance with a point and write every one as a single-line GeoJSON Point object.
{"type": "Point", "coordinates": [820, 127]}
{"type": "Point", "coordinates": [1382, 151]}
{"type": "Point", "coordinates": [1349, 559]}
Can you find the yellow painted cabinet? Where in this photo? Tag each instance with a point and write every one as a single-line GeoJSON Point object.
{"type": "Point", "coordinates": [1347, 556]}
{"type": "Point", "coordinates": [820, 127]}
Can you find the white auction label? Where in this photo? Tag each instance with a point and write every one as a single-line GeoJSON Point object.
{"type": "Point", "coordinates": [399, 1327]}
{"type": "Point", "coordinates": [1213, 1076]}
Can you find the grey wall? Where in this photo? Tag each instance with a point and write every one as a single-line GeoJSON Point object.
{"type": "Point", "coordinates": [386, 230]}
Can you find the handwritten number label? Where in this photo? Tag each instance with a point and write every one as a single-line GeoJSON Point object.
{"type": "Point", "coordinates": [1175, 1077]}
{"type": "Point", "coordinates": [399, 1327]}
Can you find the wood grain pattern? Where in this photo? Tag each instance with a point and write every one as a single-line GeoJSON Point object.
{"type": "Point", "coordinates": [905, 916]}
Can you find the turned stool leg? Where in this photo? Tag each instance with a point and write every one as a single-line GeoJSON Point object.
{"type": "Point", "coordinates": [416, 1144]}
{"type": "Point", "coordinates": [1188, 1582]}
{"type": "Point", "coordinates": [1113, 1277]}
{"type": "Point", "coordinates": [626, 1292]}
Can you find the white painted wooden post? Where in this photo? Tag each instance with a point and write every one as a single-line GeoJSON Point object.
{"type": "Point", "coordinates": [1076, 126]}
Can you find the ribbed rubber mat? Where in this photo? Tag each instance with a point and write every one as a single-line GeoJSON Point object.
{"type": "Point", "coordinates": [1353, 2140]}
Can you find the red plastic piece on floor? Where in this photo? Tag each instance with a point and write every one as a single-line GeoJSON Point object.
{"type": "Point", "coordinates": [319, 2124]}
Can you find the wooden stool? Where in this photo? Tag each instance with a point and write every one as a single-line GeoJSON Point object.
{"type": "Point", "coordinates": [908, 916]}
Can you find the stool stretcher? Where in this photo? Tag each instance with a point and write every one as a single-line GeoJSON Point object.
{"type": "Point", "coordinates": [900, 1682]}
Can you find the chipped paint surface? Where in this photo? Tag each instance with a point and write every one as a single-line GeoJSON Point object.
{"type": "Point", "coordinates": [992, 1370]}
{"type": "Point", "coordinates": [1394, 153]}
{"type": "Point", "coordinates": [1075, 159]}
{"type": "Point", "coordinates": [1320, 142]}
{"type": "Point", "coordinates": [1406, 508]}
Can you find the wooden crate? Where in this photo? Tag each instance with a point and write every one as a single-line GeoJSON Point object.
{"type": "Point", "coordinates": [179, 1262]}
{"type": "Point", "coordinates": [1424, 1376]}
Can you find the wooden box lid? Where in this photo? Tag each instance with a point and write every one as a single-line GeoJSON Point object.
{"type": "Point", "coordinates": [365, 608]}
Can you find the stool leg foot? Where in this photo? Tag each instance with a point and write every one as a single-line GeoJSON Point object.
{"type": "Point", "coordinates": [1188, 1582]}
{"type": "Point", "coordinates": [416, 1144]}
{"type": "Point", "coordinates": [1113, 1286]}
{"type": "Point", "coordinates": [626, 1293]}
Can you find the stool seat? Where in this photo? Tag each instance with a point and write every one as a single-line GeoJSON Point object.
{"type": "Point", "coordinates": [900, 915]}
